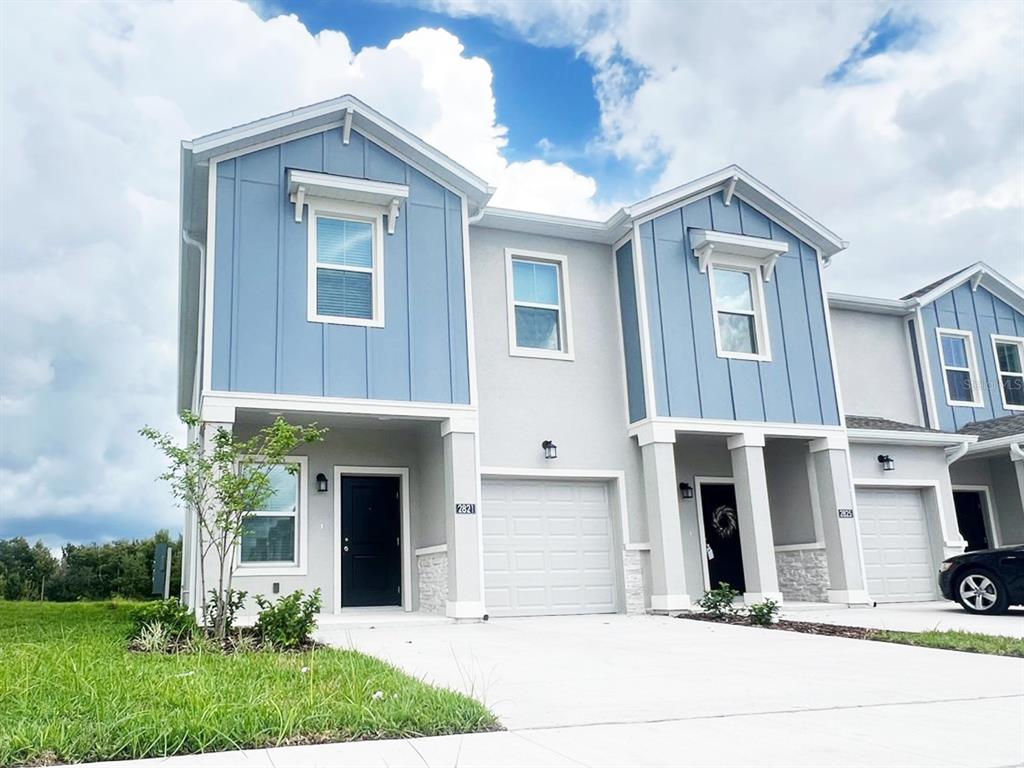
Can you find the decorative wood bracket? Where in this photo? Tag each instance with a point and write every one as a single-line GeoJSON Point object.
{"type": "Point", "coordinates": [730, 188]}
{"type": "Point", "coordinates": [346, 130]}
{"type": "Point", "coordinates": [393, 209]}
{"type": "Point", "coordinates": [976, 280]}
{"type": "Point", "coordinates": [299, 198]}
{"type": "Point", "coordinates": [703, 254]}
{"type": "Point", "coordinates": [768, 266]}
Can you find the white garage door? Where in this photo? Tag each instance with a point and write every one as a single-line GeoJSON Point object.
{"type": "Point", "coordinates": [897, 553]}
{"type": "Point", "coordinates": [547, 547]}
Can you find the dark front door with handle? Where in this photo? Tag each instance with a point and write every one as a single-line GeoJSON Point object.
{"type": "Point", "coordinates": [371, 551]}
{"type": "Point", "coordinates": [722, 535]}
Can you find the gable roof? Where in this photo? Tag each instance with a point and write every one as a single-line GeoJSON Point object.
{"type": "Point", "coordinates": [878, 422]}
{"type": "Point", "coordinates": [1004, 426]}
{"type": "Point", "coordinates": [979, 273]}
{"type": "Point", "coordinates": [335, 113]}
{"type": "Point", "coordinates": [731, 178]}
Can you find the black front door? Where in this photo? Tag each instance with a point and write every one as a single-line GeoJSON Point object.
{"type": "Point", "coordinates": [371, 552]}
{"type": "Point", "coordinates": [722, 534]}
{"type": "Point", "coordinates": [970, 519]}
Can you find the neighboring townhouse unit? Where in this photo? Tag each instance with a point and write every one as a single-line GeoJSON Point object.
{"type": "Point", "coordinates": [934, 381]}
{"type": "Point", "coordinates": [532, 414]}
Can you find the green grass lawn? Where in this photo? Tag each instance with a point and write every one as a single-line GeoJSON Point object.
{"type": "Point", "coordinates": [955, 640]}
{"type": "Point", "coordinates": [70, 691]}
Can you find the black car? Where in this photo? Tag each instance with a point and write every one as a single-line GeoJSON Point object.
{"type": "Point", "coordinates": [985, 581]}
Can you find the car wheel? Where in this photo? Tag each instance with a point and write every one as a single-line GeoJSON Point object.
{"type": "Point", "coordinates": [980, 592]}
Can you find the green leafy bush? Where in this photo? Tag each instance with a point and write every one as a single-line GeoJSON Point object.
{"type": "Point", "coordinates": [288, 623]}
{"type": "Point", "coordinates": [763, 614]}
{"type": "Point", "coordinates": [234, 599]}
{"type": "Point", "coordinates": [176, 621]}
{"type": "Point", "coordinates": [718, 602]}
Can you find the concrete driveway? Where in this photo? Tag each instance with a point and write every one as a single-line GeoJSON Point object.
{"type": "Point", "coordinates": [910, 617]}
{"type": "Point", "coordinates": [618, 690]}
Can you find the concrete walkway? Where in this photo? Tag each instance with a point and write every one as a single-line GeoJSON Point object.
{"type": "Point", "coordinates": [618, 691]}
{"type": "Point", "coordinates": [909, 617]}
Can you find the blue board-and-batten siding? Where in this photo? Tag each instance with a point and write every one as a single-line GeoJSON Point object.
{"type": "Point", "coordinates": [630, 320]}
{"type": "Point", "coordinates": [984, 315]}
{"type": "Point", "coordinates": [262, 339]}
{"type": "Point", "coordinates": [690, 379]}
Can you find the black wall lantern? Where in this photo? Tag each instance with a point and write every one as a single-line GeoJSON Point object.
{"type": "Point", "coordinates": [321, 483]}
{"type": "Point", "coordinates": [686, 490]}
{"type": "Point", "coordinates": [886, 461]}
{"type": "Point", "coordinates": [550, 449]}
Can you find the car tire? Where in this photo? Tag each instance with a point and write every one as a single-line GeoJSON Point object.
{"type": "Point", "coordinates": [979, 591]}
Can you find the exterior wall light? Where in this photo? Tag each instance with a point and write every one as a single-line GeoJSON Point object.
{"type": "Point", "coordinates": [550, 449]}
{"type": "Point", "coordinates": [686, 490]}
{"type": "Point", "coordinates": [321, 483]}
{"type": "Point", "coordinates": [886, 461]}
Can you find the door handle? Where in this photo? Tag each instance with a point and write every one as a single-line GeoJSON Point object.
{"type": "Point", "coordinates": [345, 548]}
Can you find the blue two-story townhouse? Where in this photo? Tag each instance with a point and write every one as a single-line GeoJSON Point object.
{"type": "Point", "coordinates": [934, 383]}
{"type": "Point", "coordinates": [529, 414]}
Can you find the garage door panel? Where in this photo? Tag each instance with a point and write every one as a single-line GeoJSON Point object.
{"type": "Point", "coordinates": [894, 538]}
{"type": "Point", "coordinates": [551, 552]}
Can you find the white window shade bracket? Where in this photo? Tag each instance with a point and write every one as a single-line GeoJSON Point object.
{"type": "Point", "coordinates": [382, 195]}
{"type": "Point", "coordinates": [724, 248]}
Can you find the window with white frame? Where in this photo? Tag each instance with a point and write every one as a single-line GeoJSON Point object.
{"type": "Point", "coordinates": [959, 367]}
{"type": "Point", "coordinates": [538, 298]}
{"type": "Point", "coordinates": [737, 295]}
{"type": "Point", "coordinates": [346, 264]}
{"type": "Point", "coordinates": [1009, 353]}
{"type": "Point", "coordinates": [270, 536]}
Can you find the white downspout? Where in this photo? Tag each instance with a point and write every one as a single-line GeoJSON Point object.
{"type": "Point", "coordinates": [196, 387]}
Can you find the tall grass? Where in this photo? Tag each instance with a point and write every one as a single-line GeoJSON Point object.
{"type": "Point", "coordinates": [70, 691]}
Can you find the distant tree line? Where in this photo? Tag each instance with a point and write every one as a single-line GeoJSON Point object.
{"type": "Point", "coordinates": [122, 568]}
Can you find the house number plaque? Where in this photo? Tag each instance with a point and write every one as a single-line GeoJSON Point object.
{"type": "Point", "coordinates": [845, 514]}
{"type": "Point", "coordinates": [465, 509]}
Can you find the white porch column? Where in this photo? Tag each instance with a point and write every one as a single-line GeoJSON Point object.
{"type": "Point", "coordinates": [754, 517]}
{"type": "Point", "coordinates": [838, 524]}
{"type": "Point", "coordinates": [668, 577]}
{"type": "Point", "coordinates": [462, 521]}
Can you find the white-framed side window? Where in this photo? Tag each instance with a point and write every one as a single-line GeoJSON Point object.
{"type": "Point", "coordinates": [539, 313]}
{"type": "Point", "coordinates": [346, 263]}
{"type": "Point", "coordinates": [1009, 354]}
{"type": "Point", "coordinates": [273, 539]}
{"type": "Point", "coordinates": [740, 319]}
{"type": "Point", "coordinates": [959, 363]}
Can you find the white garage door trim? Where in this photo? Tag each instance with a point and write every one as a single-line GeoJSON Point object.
{"type": "Point", "coordinates": [615, 497]}
{"type": "Point", "coordinates": [929, 573]}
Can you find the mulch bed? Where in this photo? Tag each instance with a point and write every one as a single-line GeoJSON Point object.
{"type": "Point", "coordinates": [807, 627]}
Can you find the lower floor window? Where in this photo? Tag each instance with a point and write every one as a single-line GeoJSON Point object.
{"type": "Point", "coordinates": [269, 535]}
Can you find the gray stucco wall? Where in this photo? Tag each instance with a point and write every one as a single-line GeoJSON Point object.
{"type": "Point", "coordinates": [998, 474]}
{"type": "Point", "coordinates": [579, 404]}
{"type": "Point", "coordinates": [876, 375]}
{"type": "Point", "coordinates": [789, 492]}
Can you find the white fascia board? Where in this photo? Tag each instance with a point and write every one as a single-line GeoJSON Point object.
{"type": "Point", "coordinates": [894, 437]}
{"type": "Point", "coordinates": [995, 444]}
{"type": "Point", "coordinates": [566, 227]}
{"type": "Point", "coordinates": [982, 274]}
{"type": "Point", "coordinates": [345, 188]}
{"type": "Point", "coordinates": [752, 190]}
{"type": "Point", "coordinates": [871, 304]}
{"type": "Point", "coordinates": [366, 120]}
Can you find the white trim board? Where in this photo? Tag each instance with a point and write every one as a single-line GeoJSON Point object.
{"type": "Point", "coordinates": [406, 526]}
{"type": "Point", "coordinates": [973, 369]}
{"type": "Point", "coordinates": [567, 349]}
{"type": "Point", "coordinates": [221, 406]}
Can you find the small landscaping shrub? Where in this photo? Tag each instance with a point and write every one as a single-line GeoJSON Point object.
{"type": "Point", "coordinates": [763, 614]}
{"type": "Point", "coordinates": [175, 620]}
{"type": "Point", "coordinates": [234, 599]}
{"type": "Point", "coordinates": [152, 638]}
{"type": "Point", "coordinates": [288, 623]}
{"type": "Point", "coordinates": [718, 602]}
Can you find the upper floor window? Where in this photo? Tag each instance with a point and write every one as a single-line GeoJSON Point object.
{"type": "Point", "coordinates": [740, 323]}
{"type": "Point", "coordinates": [346, 265]}
{"type": "Point", "coordinates": [959, 367]}
{"type": "Point", "coordinates": [1009, 352]}
{"type": "Point", "coordinates": [538, 305]}
{"type": "Point", "coordinates": [271, 535]}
